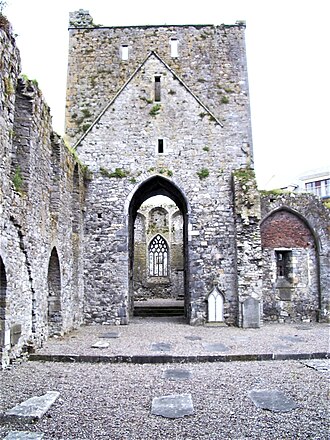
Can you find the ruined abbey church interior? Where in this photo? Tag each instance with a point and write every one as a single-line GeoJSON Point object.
{"type": "Point", "coordinates": [151, 196]}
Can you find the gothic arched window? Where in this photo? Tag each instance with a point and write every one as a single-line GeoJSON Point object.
{"type": "Point", "coordinates": [158, 257]}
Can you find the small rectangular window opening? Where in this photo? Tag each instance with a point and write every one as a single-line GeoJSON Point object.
{"type": "Point", "coordinates": [283, 263]}
{"type": "Point", "coordinates": [160, 146]}
{"type": "Point", "coordinates": [124, 52]}
{"type": "Point", "coordinates": [157, 88]}
{"type": "Point", "coordinates": [174, 47]}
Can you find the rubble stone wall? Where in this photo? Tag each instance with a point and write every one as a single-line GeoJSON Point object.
{"type": "Point", "coordinates": [31, 226]}
{"type": "Point", "coordinates": [299, 225]}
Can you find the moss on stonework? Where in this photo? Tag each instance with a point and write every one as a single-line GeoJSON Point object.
{"type": "Point", "coordinates": [273, 192]}
{"type": "Point", "coordinates": [9, 88]}
{"type": "Point", "coordinates": [244, 175]}
{"type": "Point", "coordinates": [118, 173]}
{"type": "Point", "coordinates": [203, 173]}
{"type": "Point", "coordinates": [155, 110]}
{"type": "Point", "coordinates": [18, 179]}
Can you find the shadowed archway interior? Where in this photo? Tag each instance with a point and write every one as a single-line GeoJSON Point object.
{"type": "Point", "coordinates": [158, 186]}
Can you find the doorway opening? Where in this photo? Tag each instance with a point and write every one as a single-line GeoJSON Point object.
{"type": "Point", "coordinates": [158, 250]}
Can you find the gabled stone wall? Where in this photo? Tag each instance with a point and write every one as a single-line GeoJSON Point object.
{"type": "Point", "coordinates": [211, 61]}
{"type": "Point", "coordinates": [120, 150]}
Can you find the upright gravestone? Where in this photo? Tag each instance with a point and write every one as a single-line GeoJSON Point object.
{"type": "Point", "coordinates": [251, 313]}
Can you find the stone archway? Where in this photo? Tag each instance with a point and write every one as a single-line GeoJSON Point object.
{"type": "Point", "coordinates": [54, 295]}
{"type": "Point", "coordinates": [158, 186]}
{"type": "Point", "coordinates": [291, 268]}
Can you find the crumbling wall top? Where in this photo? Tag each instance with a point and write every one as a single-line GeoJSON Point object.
{"type": "Point", "coordinates": [81, 19]}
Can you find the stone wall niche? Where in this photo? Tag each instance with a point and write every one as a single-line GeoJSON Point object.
{"type": "Point", "coordinates": [290, 278]}
{"type": "Point", "coordinates": [54, 295]}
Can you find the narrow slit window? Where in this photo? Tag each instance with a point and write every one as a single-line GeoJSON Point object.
{"type": "Point", "coordinates": [160, 146]}
{"type": "Point", "coordinates": [157, 88]}
{"type": "Point", "coordinates": [174, 47]}
{"type": "Point", "coordinates": [124, 52]}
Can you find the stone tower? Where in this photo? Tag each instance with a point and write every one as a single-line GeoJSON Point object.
{"type": "Point", "coordinates": [164, 110]}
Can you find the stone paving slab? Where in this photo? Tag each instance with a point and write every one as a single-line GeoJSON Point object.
{"type": "Point", "coordinates": [110, 335]}
{"type": "Point", "coordinates": [177, 374]}
{"type": "Point", "coordinates": [33, 408]}
{"type": "Point", "coordinates": [272, 400]}
{"type": "Point", "coordinates": [24, 435]}
{"type": "Point", "coordinates": [100, 344]}
{"type": "Point", "coordinates": [160, 346]}
{"type": "Point", "coordinates": [215, 347]}
{"type": "Point", "coordinates": [173, 406]}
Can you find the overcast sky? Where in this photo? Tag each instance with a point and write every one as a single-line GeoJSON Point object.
{"type": "Point", "coordinates": [288, 65]}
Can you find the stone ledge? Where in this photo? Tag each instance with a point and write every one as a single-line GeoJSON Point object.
{"type": "Point", "coordinates": [164, 359]}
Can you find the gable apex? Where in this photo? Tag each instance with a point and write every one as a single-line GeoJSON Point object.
{"type": "Point", "coordinates": [134, 74]}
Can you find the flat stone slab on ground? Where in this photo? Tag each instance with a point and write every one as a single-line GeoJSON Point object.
{"type": "Point", "coordinates": [35, 407]}
{"type": "Point", "coordinates": [110, 335]}
{"type": "Point", "coordinates": [272, 400]}
{"type": "Point", "coordinates": [173, 406]}
{"type": "Point", "coordinates": [160, 346]}
{"type": "Point", "coordinates": [292, 338]}
{"type": "Point", "coordinates": [24, 435]}
{"type": "Point", "coordinates": [177, 374]}
{"type": "Point", "coordinates": [193, 338]}
{"type": "Point", "coordinates": [215, 347]}
{"type": "Point", "coordinates": [100, 344]}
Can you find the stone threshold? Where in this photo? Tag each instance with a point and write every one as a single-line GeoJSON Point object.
{"type": "Point", "coordinates": [171, 359]}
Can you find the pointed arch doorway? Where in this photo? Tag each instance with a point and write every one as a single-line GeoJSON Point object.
{"type": "Point", "coordinates": [157, 186]}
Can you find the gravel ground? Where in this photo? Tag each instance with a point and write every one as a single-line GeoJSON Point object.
{"type": "Point", "coordinates": [107, 401]}
{"type": "Point", "coordinates": [137, 339]}
{"type": "Point", "coordinates": [113, 401]}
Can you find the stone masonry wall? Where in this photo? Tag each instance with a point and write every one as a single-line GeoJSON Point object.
{"type": "Point", "coordinates": [30, 224]}
{"type": "Point", "coordinates": [248, 247]}
{"type": "Point", "coordinates": [125, 138]}
{"type": "Point", "coordinates": [211, 61]}
{"type": "Point", "coordinates": [299, 225]}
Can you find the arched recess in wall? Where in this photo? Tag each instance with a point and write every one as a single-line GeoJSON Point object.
{"type": "Point", "coordinates": [3, 294]}
{"type": "Point", "coordinates": [158, 185]}
{"type": "Point", "coordinates": [56, 174]}
{"type": "Point", "coordinates": [291, 267]}
{"type": "Point", "coordinates": [54, 295]}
